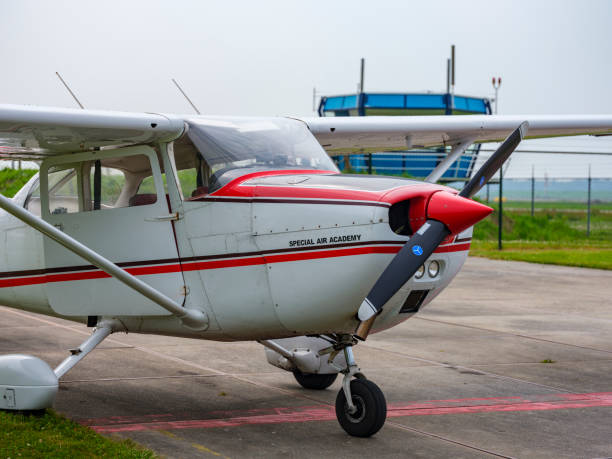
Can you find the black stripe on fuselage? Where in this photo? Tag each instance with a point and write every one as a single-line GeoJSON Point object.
{"type": "Point", "coordinates": [291, 201]}
{"type": "Point", "coordinates": [131, 264]}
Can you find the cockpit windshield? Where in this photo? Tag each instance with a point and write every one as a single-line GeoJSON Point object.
{"type": "Point", "coordinates": [236, 146]}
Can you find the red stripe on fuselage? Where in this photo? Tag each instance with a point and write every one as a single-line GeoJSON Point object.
{"type": "Point", "coordinates": [221, 263]}
{"type": "Point", "coordinates": [453, 248]}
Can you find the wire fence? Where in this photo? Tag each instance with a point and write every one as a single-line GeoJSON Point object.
{"type": "Point", "coordinates": [549, 190]}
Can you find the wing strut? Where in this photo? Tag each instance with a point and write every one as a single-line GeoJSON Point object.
{"type": "Point", "coordinates": [447, 162]}
{"type": "Point", "coordinates": [102, 330]}
{"type": "Point", "coordinates": [191, 318]}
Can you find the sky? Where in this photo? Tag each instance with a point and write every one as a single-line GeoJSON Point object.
{"type": "Point", "coordinates": [265, 57]}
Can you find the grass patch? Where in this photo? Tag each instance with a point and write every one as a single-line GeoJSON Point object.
{"type": "Point", "coordinates": [556, 253]}
{"type": "Point", "coordinates": [12, 180]}
{"type": "Point", "coordinates": [51, 435]}
{"type": "Point", "coordinates": [552, 236]}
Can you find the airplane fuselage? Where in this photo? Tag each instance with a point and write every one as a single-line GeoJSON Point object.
{"type": "Point", "coordinates": [272, 254]}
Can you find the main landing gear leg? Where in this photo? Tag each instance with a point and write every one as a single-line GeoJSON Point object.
{"type": "Point", "coordinates": [361, 408]}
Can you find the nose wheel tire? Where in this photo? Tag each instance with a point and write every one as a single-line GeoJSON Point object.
{"type": "Point", "coordinates": [315, 381]}
{"type": "Point", "coordinates": [371, 409]}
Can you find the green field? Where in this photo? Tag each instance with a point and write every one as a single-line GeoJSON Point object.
{"type": "Point", "coordinates": [556, 234]}
{"type": "Point", "coordinates": [11, 180]}
{"type": "Point", "coordinates": [582, 255]}
{"type": "Point", "coordinates": [48, 435]}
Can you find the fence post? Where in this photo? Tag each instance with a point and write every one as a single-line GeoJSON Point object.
{"type": "Point", "coordinates": [532, 190]}
{"type": "Point", "coordinates": [370, 163]}
{"type": "Point", "coordinates": [501, 209]}
{"type": "Point", "coordinates": [347, 164]}
{"type": "Point", "coordinates": [589, 203]}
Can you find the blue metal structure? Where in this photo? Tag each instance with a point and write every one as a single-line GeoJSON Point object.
{"type": "Point", "coordinates": [413, 163]}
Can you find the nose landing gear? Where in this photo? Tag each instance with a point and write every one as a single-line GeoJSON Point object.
{"type": "Point", "coordinates": [369, 408]}
{"type": "Point", "coordinates": [361, 408]}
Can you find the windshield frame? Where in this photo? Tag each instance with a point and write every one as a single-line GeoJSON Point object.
{"type": "Point", "coordinates": [232, 147]}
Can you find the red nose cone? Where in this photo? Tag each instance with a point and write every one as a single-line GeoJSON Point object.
{"type": "Point", "coordinates": [455, 212]}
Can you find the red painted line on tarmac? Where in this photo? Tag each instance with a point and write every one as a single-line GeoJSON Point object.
{"type": "Point", "coordinates": [326, 413]}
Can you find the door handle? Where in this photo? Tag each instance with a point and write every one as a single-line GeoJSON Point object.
{"type": "Point", "coordinates": [164, 218]}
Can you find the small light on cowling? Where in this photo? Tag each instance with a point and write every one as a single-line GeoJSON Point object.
{"type": "Point", "coordinates": [433, 269]}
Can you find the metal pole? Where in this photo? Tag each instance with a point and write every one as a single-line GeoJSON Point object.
{"type": "Point", "coordinates": [190, 317]}
{"type": "Point", "coordinates": [448, 71]}
{"type": "Point", "coordinates": [501, 209]}
{"type": "Point", "coordinates": [496, 85]}
{"type": "Point", "coordinates": [347, 164]}
{"type": "Point", "coordinates": [589, 203]}
{"type": "Point", "coordinates": [496, 97]}
{"type": "Point", "coordinates": [362, 75]}
{"type": "Point", "coordinates": [532, 190]}
{"type": "Point", "coordinates": [487, 192]}
{"type": "Point", "coordinates": [370, 163]}
{"type": "Point", "coordinates": [452, 78]}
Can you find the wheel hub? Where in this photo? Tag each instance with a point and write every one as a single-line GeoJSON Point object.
{"type": "Point", "coordinates": [360, 411]}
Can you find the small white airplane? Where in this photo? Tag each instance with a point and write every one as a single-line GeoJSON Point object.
{"type": "Point", "coordinates": [227, 229]}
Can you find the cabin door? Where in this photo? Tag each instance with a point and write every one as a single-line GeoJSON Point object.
{"type": "Point", "coordinates": [114, 202]}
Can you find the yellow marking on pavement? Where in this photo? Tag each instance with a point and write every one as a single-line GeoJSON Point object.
{"type": "Point", "coordinates": [208, 450]}
{"type": "Point", "coordinates": [194, 445]}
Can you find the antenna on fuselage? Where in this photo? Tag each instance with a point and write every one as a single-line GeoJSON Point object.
{"type": "Point", "coordinates": [186, 97]}
{"type": "Point", "coordinates": [69, 90]}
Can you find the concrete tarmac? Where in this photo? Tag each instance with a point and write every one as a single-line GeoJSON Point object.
{"type": "Point", "coordinates": [512, 360]}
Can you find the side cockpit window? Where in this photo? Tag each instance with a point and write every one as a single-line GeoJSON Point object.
{"type": "Point", "coordinates": [193, 172]}
{"type": "Point", "coordinates": [103, 184]}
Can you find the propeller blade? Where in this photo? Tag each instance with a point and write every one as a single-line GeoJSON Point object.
{"type": "Point", "coordinates": [492, 165]}
{"type": "Point", "coordinates": [403, 266]}
{"type": "Point", "coordinates": [446, 214]}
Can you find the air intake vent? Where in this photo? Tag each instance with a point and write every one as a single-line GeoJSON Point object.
{"type": "Point", "coordinates": [414, 301]}
{"type": "Point", "coordinates": [399, 218]}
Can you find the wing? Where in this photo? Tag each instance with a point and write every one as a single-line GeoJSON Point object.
{"type": "Point", "coordinates": [28, 132]}
{"type": "Point", "coordinates": [387, 133]}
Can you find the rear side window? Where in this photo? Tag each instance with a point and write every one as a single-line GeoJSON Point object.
{"type": "Point", "coordinates": [108, 183]}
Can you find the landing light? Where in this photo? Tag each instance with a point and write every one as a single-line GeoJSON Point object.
{"type": "Point", "coordinates": [433, 269]}
{"type": "Point", "coordinates": [419, 273]}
